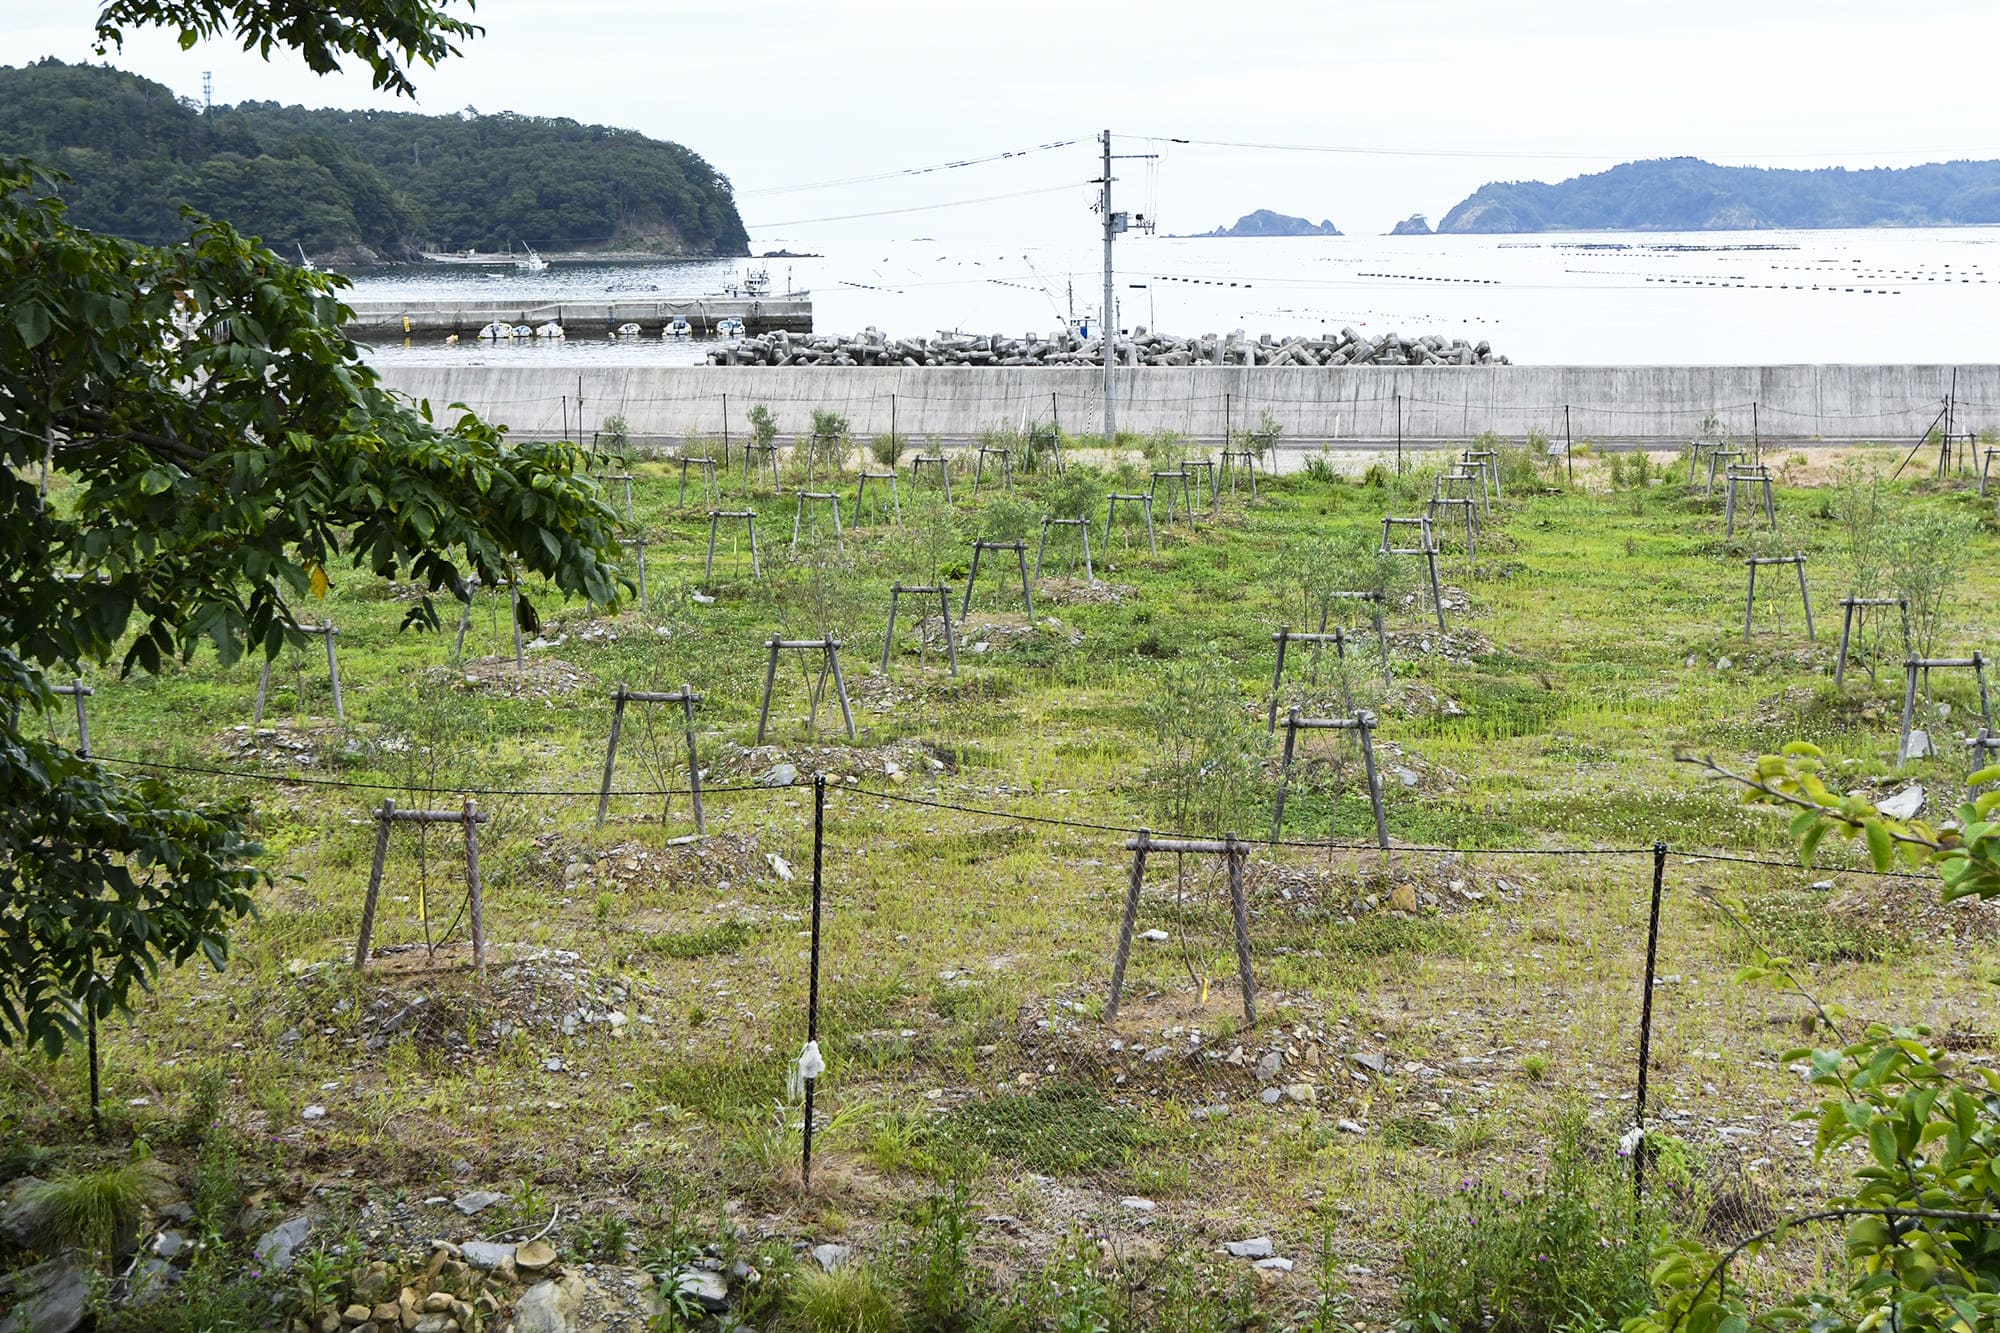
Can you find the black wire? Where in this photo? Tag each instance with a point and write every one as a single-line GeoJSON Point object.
{"type": "Point", "coordinates": [1794, 865]}
{"type": "Point", "coordinates": [295, 781]}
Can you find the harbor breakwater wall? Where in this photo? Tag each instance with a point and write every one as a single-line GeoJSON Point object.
{"type": "Point", "coordinates": [1359, 406]}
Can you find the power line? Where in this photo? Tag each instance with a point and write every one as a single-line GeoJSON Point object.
{"type": "Point", "coordinates": [914, 208]}
{"type": "Point", "coordinates": [957, 165]}
{"type": "Point", "coordinates": [1502, 154]}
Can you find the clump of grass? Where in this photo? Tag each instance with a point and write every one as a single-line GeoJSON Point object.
{"type": "Point", "coordinates": [1381, 936]}
{"type": "Point", "coordinates": [1059, 1127]}
{"type": "Point", "coordinates": [91, 1210]}
{"type": "Point", "coordinates": [854, 1298]}
{"type": "Point", "coordinates": [1560, 1251]}
{"type": "Point", "coordinates": [1535, 1067]}
{"type": "Point", "coordinates": [722, 937]}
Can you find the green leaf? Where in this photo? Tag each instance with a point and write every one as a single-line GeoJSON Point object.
{"type": "Point", "coordinates": [1881, 846]}
{"type": "Point", "coordinates": [31, 321]}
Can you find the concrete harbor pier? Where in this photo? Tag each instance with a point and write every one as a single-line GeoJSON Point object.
{"type": "Point", "coordinates": [375, 319]}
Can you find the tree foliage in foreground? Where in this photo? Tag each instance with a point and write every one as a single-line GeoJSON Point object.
{"type": "Point", "coordinates": [192, 449]}
{"type": "Point", "coordinates": [1922, 1218]}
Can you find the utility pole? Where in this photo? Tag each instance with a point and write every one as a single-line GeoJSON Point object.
{"type": "Point", "coordinates": [1114, 223]}
{"type": "Point", "coordinates": [1107, 321]}
{"type": "Point", "coordinates": [207, 91]}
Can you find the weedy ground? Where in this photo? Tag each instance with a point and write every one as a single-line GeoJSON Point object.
{"type": "Point", "coordinates": [625, 1054]}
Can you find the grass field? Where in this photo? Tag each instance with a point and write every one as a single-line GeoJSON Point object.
{"type": "Point", "coordinates": [622, 1064]}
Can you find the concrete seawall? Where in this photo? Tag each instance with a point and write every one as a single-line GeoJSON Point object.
{"type": "Point", "coordinates": [1364, 407]}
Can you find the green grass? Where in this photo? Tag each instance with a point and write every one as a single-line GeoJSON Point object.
{"type": "Point", "coordinates": [966, 957]}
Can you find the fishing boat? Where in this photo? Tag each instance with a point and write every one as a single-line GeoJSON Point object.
{"type": "Point", "coordinates": [679, 330]}
{"type": "Point", "coordinates": [627, 330]}
{"type": "Point", "coordinates": [551, 330]}
{"type": "Point", "coordinates": [496, 332]}
{"type": "Point", "coordinates": [531, 262]}
{"type": "Point", "coordinates": [729, 327]}
{"type": "Point", "coordinates": [523, 331]}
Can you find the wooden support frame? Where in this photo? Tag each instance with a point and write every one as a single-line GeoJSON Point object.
{"type": "Point", "coordinates": [1488, 461]}
{"type": "Point", "coordinates": [1756, 474]}
{"type": "Point", "coordinates": [943, 465]}
{"type": "Point", "coordinates": [1236, 851]}
{"type": "Point", "coordinates": [861, 492]}
{"type": "Point", "coordinates": [897, 591]}
{"type": "Point", "coordinates": [1376, 604]}
{"type": "Point", "coordinates": [1985, 463]}
{"type": "Point", "coordinates": [715, 517]}
{"type": "Point", "coordinates": [387, 817]}
{"type": "Point", "coordinates": [637, 546]}
{"type": "Point", "coordinates": [1082, 525]}
{"type": "Point", "coordinates": [1464, 506]}
{"type": "Point", "coordinates": [687, 698]}
{"type": "Point", "coordinates": [1471, 476]}
{"type": "Point", "coordinates": [1170, 476]}
{"type": "Point", "coordinates": [327, 632]}
{"type": "Point", "coordinates": [711, 484]}
{"type": "Point", "coordinates": [1006, 457]}
{"type": "Point", "coordinates": [832, 503]}
{"type": "Point", "coordinates": [1915, 666]}
{"type": "Point", "coordinates": [1145, 503]}
{"type": "Point", "coordinates": [1796, 559]}
{"type": "Point", "coordinates": [1716, 454]}
{"type": "Point", "coordinates": [751, 449]}
{"type": "Point", "coordinates": [1284, 638]}
{"type": "Point", "coordinates": [1697, 450]}
{"type": "Point", "coordinates": [1235, 461]}
{"type": "Point", "coordinates": [1426, 547]}
{"type": "Point", "coordinates": [1206, 467]}
{"type": "Point", "coordinates": [1853, 612]}
{"type": "Point", "coordinates": [1020, 550]}
{"type": "Point", "coordinates": [829, 663]}
{"type": "Point", "coordinates": [1362, 723]}
{"type": "Point", "coordinates": [625, 477]}
{"type": "Point", "coordinates": [78, 692]}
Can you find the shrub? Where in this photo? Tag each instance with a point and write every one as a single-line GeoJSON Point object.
{"type": "Point", "coordinates": [1265, 437]}
{"type": "Point", "coordinates": [888, 449]}
{"type": "Point", "coordinates": [1557, 1252]}
{"type": "Point", "coordinates": [1075, 494]}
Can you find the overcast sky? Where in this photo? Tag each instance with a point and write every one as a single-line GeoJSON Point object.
{"type": "Point", "coordinates": [1447, 95]}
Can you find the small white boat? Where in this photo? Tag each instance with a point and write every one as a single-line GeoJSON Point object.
{"type": "Point", "coordinates": [531, 262]}
{"type": "Point", "coordinates": [627, 330]}
{"type": "Point", "coordinates": [306, 263]}
{"type": "Point", "coordinates": [679, 330]}
{"type": "Point", "coordinates": [523, 331]}
{"type": "Point", "coordinates": [496, 332]}
{"type": "Point", "coordinates": [550, 330]}
{"type": "Point", "coordinates": [729, 327]}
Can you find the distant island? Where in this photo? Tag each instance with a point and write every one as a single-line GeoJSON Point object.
{"type": "Point", "coordinates": [1264, 222]}
{"type": "Point", "coordinates": [1414, 225]}
{"type": "Point", "coordinates": [1688, 194]}
{"type": "Point", "coordinates": [359, 186]}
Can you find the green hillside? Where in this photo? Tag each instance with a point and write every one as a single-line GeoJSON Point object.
{"type": "Point", "coordinates": [1687, 194]}
{"type": "Point", "coordinates": [357, 184]}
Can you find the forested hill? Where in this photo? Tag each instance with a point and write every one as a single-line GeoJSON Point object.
{"type": "Point", "coordinates": [350, 184]}
{"type": "Point", "coordinates": [1687, 194]}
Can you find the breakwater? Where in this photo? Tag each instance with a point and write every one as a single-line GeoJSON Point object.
{"type": "Point", "coordinates": [395, 318]}
{"type": "Point", "coordinates": [1366, 406]}
{"type": "Point", "coordinates": [872, 347]}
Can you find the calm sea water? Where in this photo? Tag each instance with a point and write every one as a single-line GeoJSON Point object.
{"type": "Point", "coordinates": [1694, 298]}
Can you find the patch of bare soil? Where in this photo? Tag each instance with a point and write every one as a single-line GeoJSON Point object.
{"type": "Point", "coordinates": [537, 677]}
